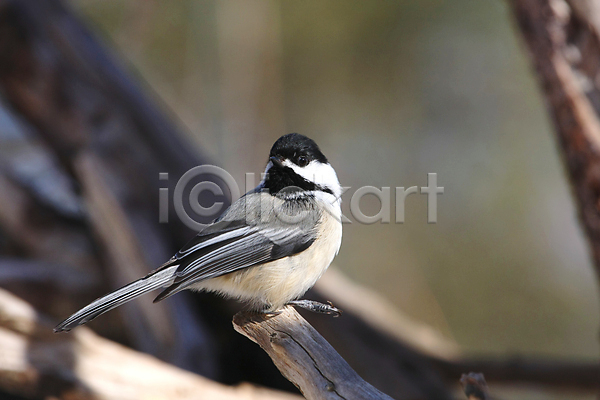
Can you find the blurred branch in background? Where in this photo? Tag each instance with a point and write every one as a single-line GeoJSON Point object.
{"type": "Point", "coordinates": [565, 50]}
{"type": "Point", "coordinates": [304, 357]}
{"type": "Point", "coordinates": [35, 363]}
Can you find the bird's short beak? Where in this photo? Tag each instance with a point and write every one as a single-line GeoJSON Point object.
{"type": "Point", "coordinates": [276, 161]}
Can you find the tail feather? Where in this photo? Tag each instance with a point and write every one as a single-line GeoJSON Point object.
{"type": "Point", "coordinates": [120, 296]}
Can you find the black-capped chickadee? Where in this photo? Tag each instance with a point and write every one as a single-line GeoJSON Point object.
{"type": "Point", "coordinates": [267, 249]}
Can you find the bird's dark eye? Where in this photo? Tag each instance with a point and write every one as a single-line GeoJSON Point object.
{"type": "Point", "coordinates": [302, 161]}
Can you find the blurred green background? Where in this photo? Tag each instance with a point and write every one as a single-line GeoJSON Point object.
{"type": "Point", "coordinates": [391, 90]}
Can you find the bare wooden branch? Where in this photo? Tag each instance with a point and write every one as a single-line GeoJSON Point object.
{"type": "Point", "coordinates": [36, 363]}
{"type": "Point", "coordinates": [304, 357]}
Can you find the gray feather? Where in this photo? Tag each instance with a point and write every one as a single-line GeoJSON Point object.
{"type": "Point", "coordinates": [112, 300]}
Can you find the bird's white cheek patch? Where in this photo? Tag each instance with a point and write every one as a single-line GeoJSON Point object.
{"type": "Point", "coordinates": [321, 174]}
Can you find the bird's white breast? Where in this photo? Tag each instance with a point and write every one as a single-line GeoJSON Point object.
{"type": "Point", "coordinates": [276, 283]}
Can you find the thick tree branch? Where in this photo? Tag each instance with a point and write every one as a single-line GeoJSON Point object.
{"type": "Point", "coordinates": [304, 357]}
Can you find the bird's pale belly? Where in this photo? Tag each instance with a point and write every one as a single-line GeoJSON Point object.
{"type": "Point", "coordinates": [274, 284]}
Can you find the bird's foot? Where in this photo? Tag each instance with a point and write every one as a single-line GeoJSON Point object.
{"type": "Point", "coordinates": [317, 307]}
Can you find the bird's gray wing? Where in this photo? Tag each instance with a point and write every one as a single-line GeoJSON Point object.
{"type": "Point", "coordinates": [233, 244]}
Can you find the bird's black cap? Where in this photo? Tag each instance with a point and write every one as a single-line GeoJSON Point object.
{"type": "Point", "coordinates": [294, 145]}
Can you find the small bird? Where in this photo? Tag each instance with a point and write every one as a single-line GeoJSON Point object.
{"type": "Point", "coordinates": [267, 249]}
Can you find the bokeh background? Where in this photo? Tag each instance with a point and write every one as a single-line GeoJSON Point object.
{"type": "Point", "coordinates": [391, 91]}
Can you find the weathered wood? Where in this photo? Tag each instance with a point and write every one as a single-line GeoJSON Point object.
{"type": "Point", "coordinates": [35, 363]}
{"type": "Point", "coordinates": [304, 357]}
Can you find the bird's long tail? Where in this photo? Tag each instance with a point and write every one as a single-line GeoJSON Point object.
{"type": "Point", "coordinates": [152, 281]}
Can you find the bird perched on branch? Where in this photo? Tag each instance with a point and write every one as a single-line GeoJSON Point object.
{"type": "Point", "coordinates": [267, 249]}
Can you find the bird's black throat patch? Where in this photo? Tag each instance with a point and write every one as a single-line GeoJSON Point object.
{"type": "Point", "coordinates": [280, 179]}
